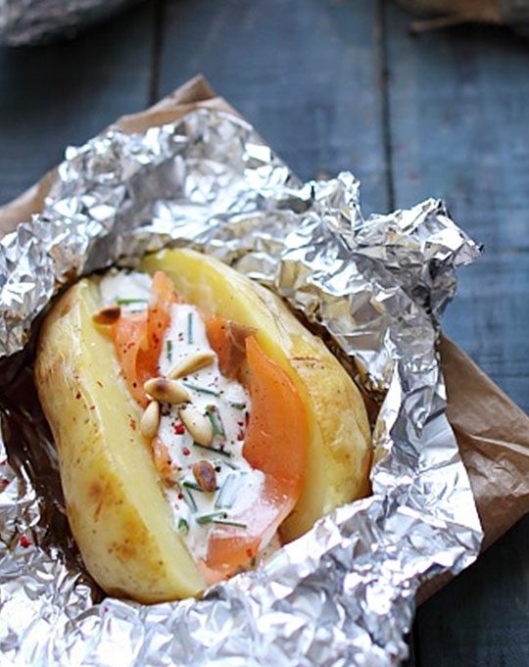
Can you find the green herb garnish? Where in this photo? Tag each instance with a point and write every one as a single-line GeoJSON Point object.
{"type": "Point", "coordinates": [183, 526]}
{"type": "Point", "coordinates": [188, 496]}
{"type": "Point", "coordinates": [129, 302]}
{"type": "Point", "coordinates": [169, 350]}
{"type": "Point", "coordinates": [212, 449]}
{"type": "Point", "coordinates": [213, 415]}
{"type": "Point", "coordinates": [210, 518]}
{"type": "Point", "coordinates": [202, 390]}
{"type": "Point", "coordinates": [227, 493]}
{"type": "Point", "coordinates": [223, 522]}
{"type": "Point", "coordinates": [194, 487]}
{"type": "Point", "coordinates": [190, 328]}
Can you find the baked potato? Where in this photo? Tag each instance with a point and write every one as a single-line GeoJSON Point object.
{"type": "Point", "coordinates": [307, 432]}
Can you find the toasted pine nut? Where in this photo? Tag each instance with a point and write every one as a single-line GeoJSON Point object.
{"type": "Point", "coordinates": [205, 475]}
{"type": "Point", "coordinates": [191, 364]}
{"type": "Point", "coordinates": [107, 315]}
{"type": "Point", "coordinates": [166, 391]}
{"type": "Point", "coordinates": [198, 426]}
{"type": "Point", "coordinates": [150, 420]}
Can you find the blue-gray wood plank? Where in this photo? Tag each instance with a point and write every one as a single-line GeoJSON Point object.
{"type": "Point", "coordinates": [339, 84]}
{"type": "Point", "coordinates": [459, 130]}
{"type": "Point", "coordinates": [64, 93]}
{"type": "Point", "coordinates": [305, 73]}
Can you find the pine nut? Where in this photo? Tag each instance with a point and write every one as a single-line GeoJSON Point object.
{"type": "Point", "coordinates": [166, 391]}
{"type": "Point", "coordinates": [107, 315]}
{"type": "Point", "coordinates": [205, 475]}
{"type": "Point", "coordinates": [150, 420]}
{"type": "Point", "coordinates": [191, 364]}
{"type": "Point", "coordinates": [198, 426]}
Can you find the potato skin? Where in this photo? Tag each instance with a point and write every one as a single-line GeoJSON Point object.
{"type": "Point", "coordinates": [118, 514]}
{"type": "Point", "coordinates": [340, 454]}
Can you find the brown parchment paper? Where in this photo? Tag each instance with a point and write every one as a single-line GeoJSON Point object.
{"type": "Point", "coordinates": [492, 432]}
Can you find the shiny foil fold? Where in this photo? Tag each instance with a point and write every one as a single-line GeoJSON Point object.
{"type": "Point", "coordinates": [374, 288]}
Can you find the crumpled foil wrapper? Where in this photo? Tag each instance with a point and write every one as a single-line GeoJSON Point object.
{"type": "Point", "coordinates": [374, 288]}
{"type": "Point", "coordinates": [26, 22]}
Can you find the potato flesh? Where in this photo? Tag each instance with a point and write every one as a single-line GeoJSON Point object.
{"type": "Point", "coordinates": [339, 453]}
{"type": "Point", "coordinates": [118, 514]}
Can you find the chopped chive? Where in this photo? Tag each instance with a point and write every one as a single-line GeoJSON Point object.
{"type": "Point", "coordinates": [128, 302]}
{"type": "Point", "coordinates": [169, 350]}
{"type": "Point", "coordinates": [190, 499]}
{"type": "Point", "coordinates": [212, 449]}
{"type": "Point", "coordinates": [202, 390]}
{"type": "Point", "coordinates": [227, 493]}
{"type": "Point", "coordinates": [213, 415]}
{"type": "Point", "coordinates": [190, 328]}
{"type": "Point", "coordinates": [238, 406]}
{"type": "Point", "coordinates": [224, 522]}
{"type": "Point", "coordinates": [194, 487]}
{"type": "Point", "coordinates": [209, 518]}
{"type": "Point", "coordinates": [183, 526]}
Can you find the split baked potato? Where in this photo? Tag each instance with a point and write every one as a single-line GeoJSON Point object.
{"type": "Point", "coordinates": [118, 513]}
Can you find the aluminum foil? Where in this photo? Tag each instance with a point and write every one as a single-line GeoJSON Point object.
{"type": "Point", "coordinates": [24, 22]}
{"type": "Point", "coordinates": [374, 288]}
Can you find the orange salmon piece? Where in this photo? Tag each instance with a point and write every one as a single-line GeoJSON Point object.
{"type": "Point", "coordinates": [138, 337]}
{"type": "Point", "coordinates": [276, 443]}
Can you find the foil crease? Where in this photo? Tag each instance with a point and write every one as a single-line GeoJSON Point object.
{"type": "Point", "coordinates": [27, 22]}
{"type": "Point", "coordinates": [374, 288]}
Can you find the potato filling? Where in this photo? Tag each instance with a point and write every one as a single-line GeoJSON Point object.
{"type": "Point", "coordinates": [198, 442]}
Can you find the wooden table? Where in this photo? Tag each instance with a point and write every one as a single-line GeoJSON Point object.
{"type": "Point", "coordinates": [332, 85]}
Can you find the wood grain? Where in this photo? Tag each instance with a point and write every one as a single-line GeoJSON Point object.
{"type": "Point", "coordinates": [305, 73]}
{"type": "Point", "coordinates": [480, 619]}
{"type": "Point", "coordinates": [458, 131]}
{"type": "Point", "coordinates": [64, 93]}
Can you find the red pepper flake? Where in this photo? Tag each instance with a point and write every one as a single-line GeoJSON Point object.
{"type": "Point", "coordinates": [3, 462]}
{"type": "Point", "coordinates": [4, 482]}
{"type": "Point", "coordinates": [24, 541]}
{"type": "Point", "coordinates": [180, 496]}
{"type": "Point", "coordinates": [186, 451]}
{"type": "Point", "coordinates": [249, 553]}
{"type": "Point", "coordinates": [240, 435]}
{"type": "Point", "coordinates": [179, 429]}
{"type": "Point", "coordinates": [133, 424]}
{"type": "Point", "coordinates": [78, 395]}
